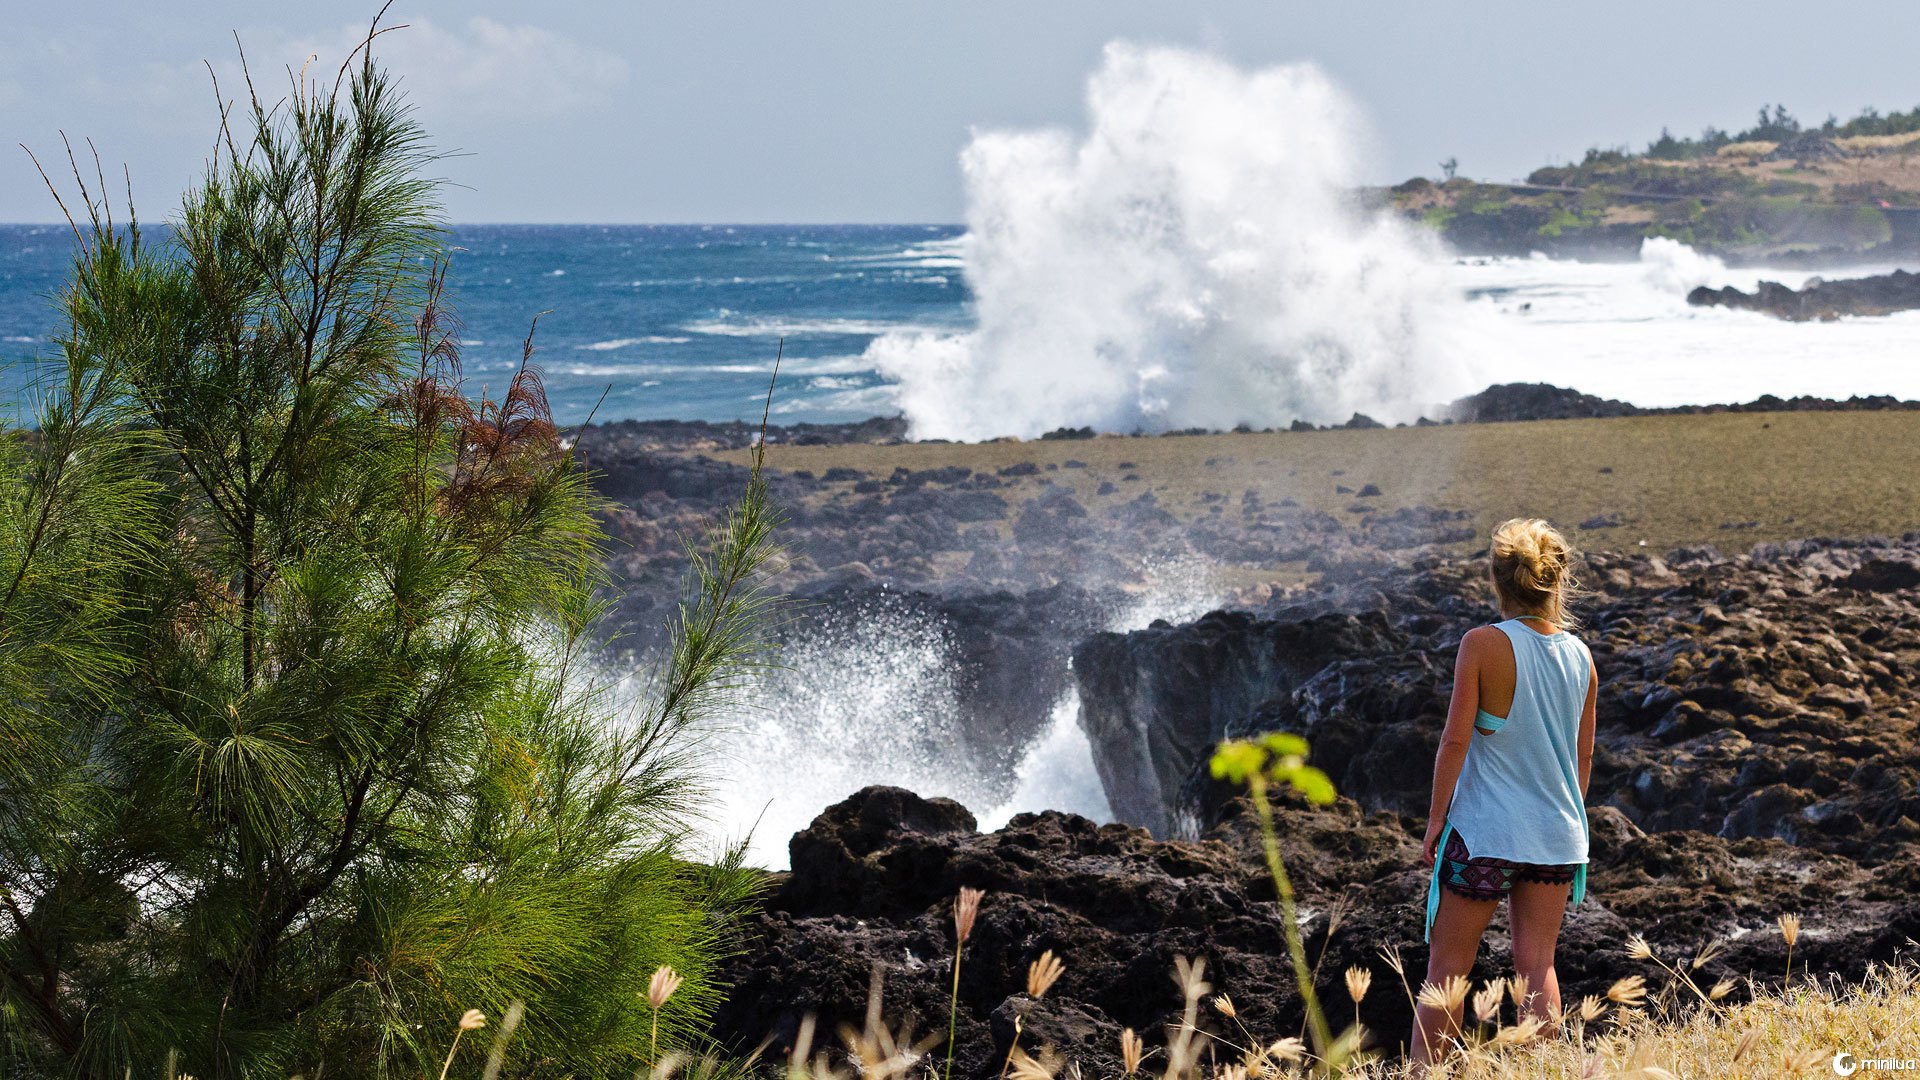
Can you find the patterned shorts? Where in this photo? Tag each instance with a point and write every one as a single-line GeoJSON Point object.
{"type": "Point", "coordinates": [1478, 877]}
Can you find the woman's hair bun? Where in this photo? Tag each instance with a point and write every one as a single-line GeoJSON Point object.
{"type": "Point", "coordinates": [1531, 563]}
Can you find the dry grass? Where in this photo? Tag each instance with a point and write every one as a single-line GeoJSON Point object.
{"type": "Point", "coordinates": [1877, 143]}
{"type": "Point", "coordinates": [1634, 1031]}
{"type": "Point", "coordinates": [1795, 1032]}
{"type": "Point", "coordinates": [1677, 479]}
{"type": "Point", "coordinates": [1791, 1032]}
{"type": "Point", "coordinates": [1872, 159]}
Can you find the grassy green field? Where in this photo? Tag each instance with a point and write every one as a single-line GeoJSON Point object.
{"type": "Point", "coordinates": [1727, 479]}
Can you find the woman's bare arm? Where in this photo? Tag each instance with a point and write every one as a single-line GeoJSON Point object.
{"type": "Point", "coordinates": [1457, 735]}
{"type": "Point", "coordinates": [1589, 721]}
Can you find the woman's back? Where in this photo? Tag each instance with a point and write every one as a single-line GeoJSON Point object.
{"type": "Point", "coordinates": [1519, 793]}
{"type": "Point", "coordinates": [1508, 820]}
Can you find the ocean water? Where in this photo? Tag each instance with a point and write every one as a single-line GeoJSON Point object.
{"type": "Point", "coordinates": [677, 321]}
{"type": "Point", "coordinates": [684, 322]}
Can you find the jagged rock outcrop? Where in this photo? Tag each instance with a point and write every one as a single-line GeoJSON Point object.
{"type": "Point", "coordinates": [874, 877]}
{"type": "Point", "coordinates": [1532, 401]}
{"type": "Point", "coordinates": [1805, 148]}
{"type": "Point", "coordinates": [1767, 694]}
{"type": "Point", "coordinates": [1153, 702]}
{"type": "Point", "coordinates": [1883, 294]}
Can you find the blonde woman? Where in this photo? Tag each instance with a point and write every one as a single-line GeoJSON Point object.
{"type": "Point", "coordinates": [1508, 818]}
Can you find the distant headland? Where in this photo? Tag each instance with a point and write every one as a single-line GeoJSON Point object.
{"type": "Point", "coordinates": [1779, 193]}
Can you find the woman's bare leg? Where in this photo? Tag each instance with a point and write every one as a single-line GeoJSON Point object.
{"type": "Point", "coordinates": [1457, 929]}
{"type": "Point", "coordinates": [1535, 909]}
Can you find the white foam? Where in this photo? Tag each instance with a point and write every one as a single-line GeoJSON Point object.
{"type": "Point", "coordinates": [629, 342]}
{"type": "Point", "coordinates": [949, 253]}
{"type": "Point", "coordinates": [872, 700]}
{"type": "Point", "coordinates": [1674, 268]}
{"type": "Point", "coordinates": [854, 402]}
{"type": "Point", "coordinates": [732, 324]}
{"type": "Point", "coordinates": [1625, 330]}
{"type": "Point", "coordinates": [1194, 260]}
{"type": "Point", "coordinates": [868, 703]}
{"type": "Point", "coordinates": [797, 366]}
{"type": "Point", "coordinates": [1057, 772]}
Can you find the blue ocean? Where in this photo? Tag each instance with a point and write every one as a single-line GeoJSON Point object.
{"type": "Point", "coordinates": [678, 321]}
{"type": "Point", "coordinates": [1119, 328]}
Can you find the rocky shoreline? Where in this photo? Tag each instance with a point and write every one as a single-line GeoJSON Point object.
{"type": "Point", "coordinates": [1757, 757]}
{"type": "Point", "coordinates": [1883, 294]}
{"type": "Point", "coordinates": [1758, 751]}
{"type": "Point", "coordinates": [614, 446]}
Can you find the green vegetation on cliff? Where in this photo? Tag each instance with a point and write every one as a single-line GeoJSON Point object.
{"type": "Point", "coordinates": [1777, 188]}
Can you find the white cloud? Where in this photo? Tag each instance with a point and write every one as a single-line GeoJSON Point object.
{"type": "Point", "coordinates": [483, 69]}
{"type": "Point", "coordinates": [478, 71]}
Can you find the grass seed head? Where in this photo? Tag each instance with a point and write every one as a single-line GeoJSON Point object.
{"type": "Point", "coordinates": [1359, 981]}
{"type": "Point", "coordinates": [1028, 1067]}
{"type": "Point", "coordinates": [1720, 989]}
{"type": "Point", "coordinates": [1223, 1005]}
{"type": "Point", "coordinates": [1592, 1008]}
{"type": "Point", "coordinates": [1486, 1000]}
{"type": "Point", "coordinates": [1790, 929]}
{"type": "Point", "coordinates": [1290, 1050]}
{"type": "Point", "coordinates": [1630, 991]}
{"type": "Point", "coordinates": [661, 987]}
{"type": "Point", "coordinates": [1745, 1045]}
{"type": "Point", "coordinates": [1043, 973]}
{"type": "Point", "coordinates": [1638, 948]}
{"type": "Point", "coordinates": [1391, 954]}
{"type": "Point", "coordinates": [472, 1020]}
{"type": "Point", "coordinates": [1714, 948]}
{"type": "Point", "coordinates": [966, 907]}
{"type": "Point", "coordinates": [1517, 990]}
{"type": "Point", "coordinates": [1131, 1050]}
{"type": "Point", "coordinates": [1448, 996]}
{"type": "Point", "coordinates": [1524, 1031]}
{"type": "Point", "coordinates": [1192, 977]}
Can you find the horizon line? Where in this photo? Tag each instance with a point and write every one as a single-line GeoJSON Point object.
{"type": "Point", "coordinates": [60, 222]}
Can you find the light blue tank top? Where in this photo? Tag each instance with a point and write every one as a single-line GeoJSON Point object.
{"type": "Point", "coordinates": [1518, 796]}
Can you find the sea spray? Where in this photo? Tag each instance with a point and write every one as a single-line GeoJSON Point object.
{"type": "Point", "coordinates": [1674, 269]}
{"type": "Point", "coordinates": [874, 699]}
{"type": "Point", "coordinates": [1198, 258]}
{"type": "Point", "coordinates": [1057, 771]}
{"type": "Point", "coordinates": [852, 702]}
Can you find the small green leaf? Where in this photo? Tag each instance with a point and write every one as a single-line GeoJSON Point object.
{"type": "Point", "coordinates": [1235, 761]}
{"type": "Point", "coordinates": [1283, 744]}
{"type": "Point", "coordinates": [1312, 783]}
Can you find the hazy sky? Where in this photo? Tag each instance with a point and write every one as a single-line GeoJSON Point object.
{"type": "Point", "coordinates": [855, 110]}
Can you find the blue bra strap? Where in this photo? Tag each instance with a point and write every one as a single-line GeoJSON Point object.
{"type": "Point", "coordinates": [1486, 721]}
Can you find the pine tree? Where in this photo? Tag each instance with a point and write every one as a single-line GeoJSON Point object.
{"type": "Point", "coordinates": [303, 748]}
